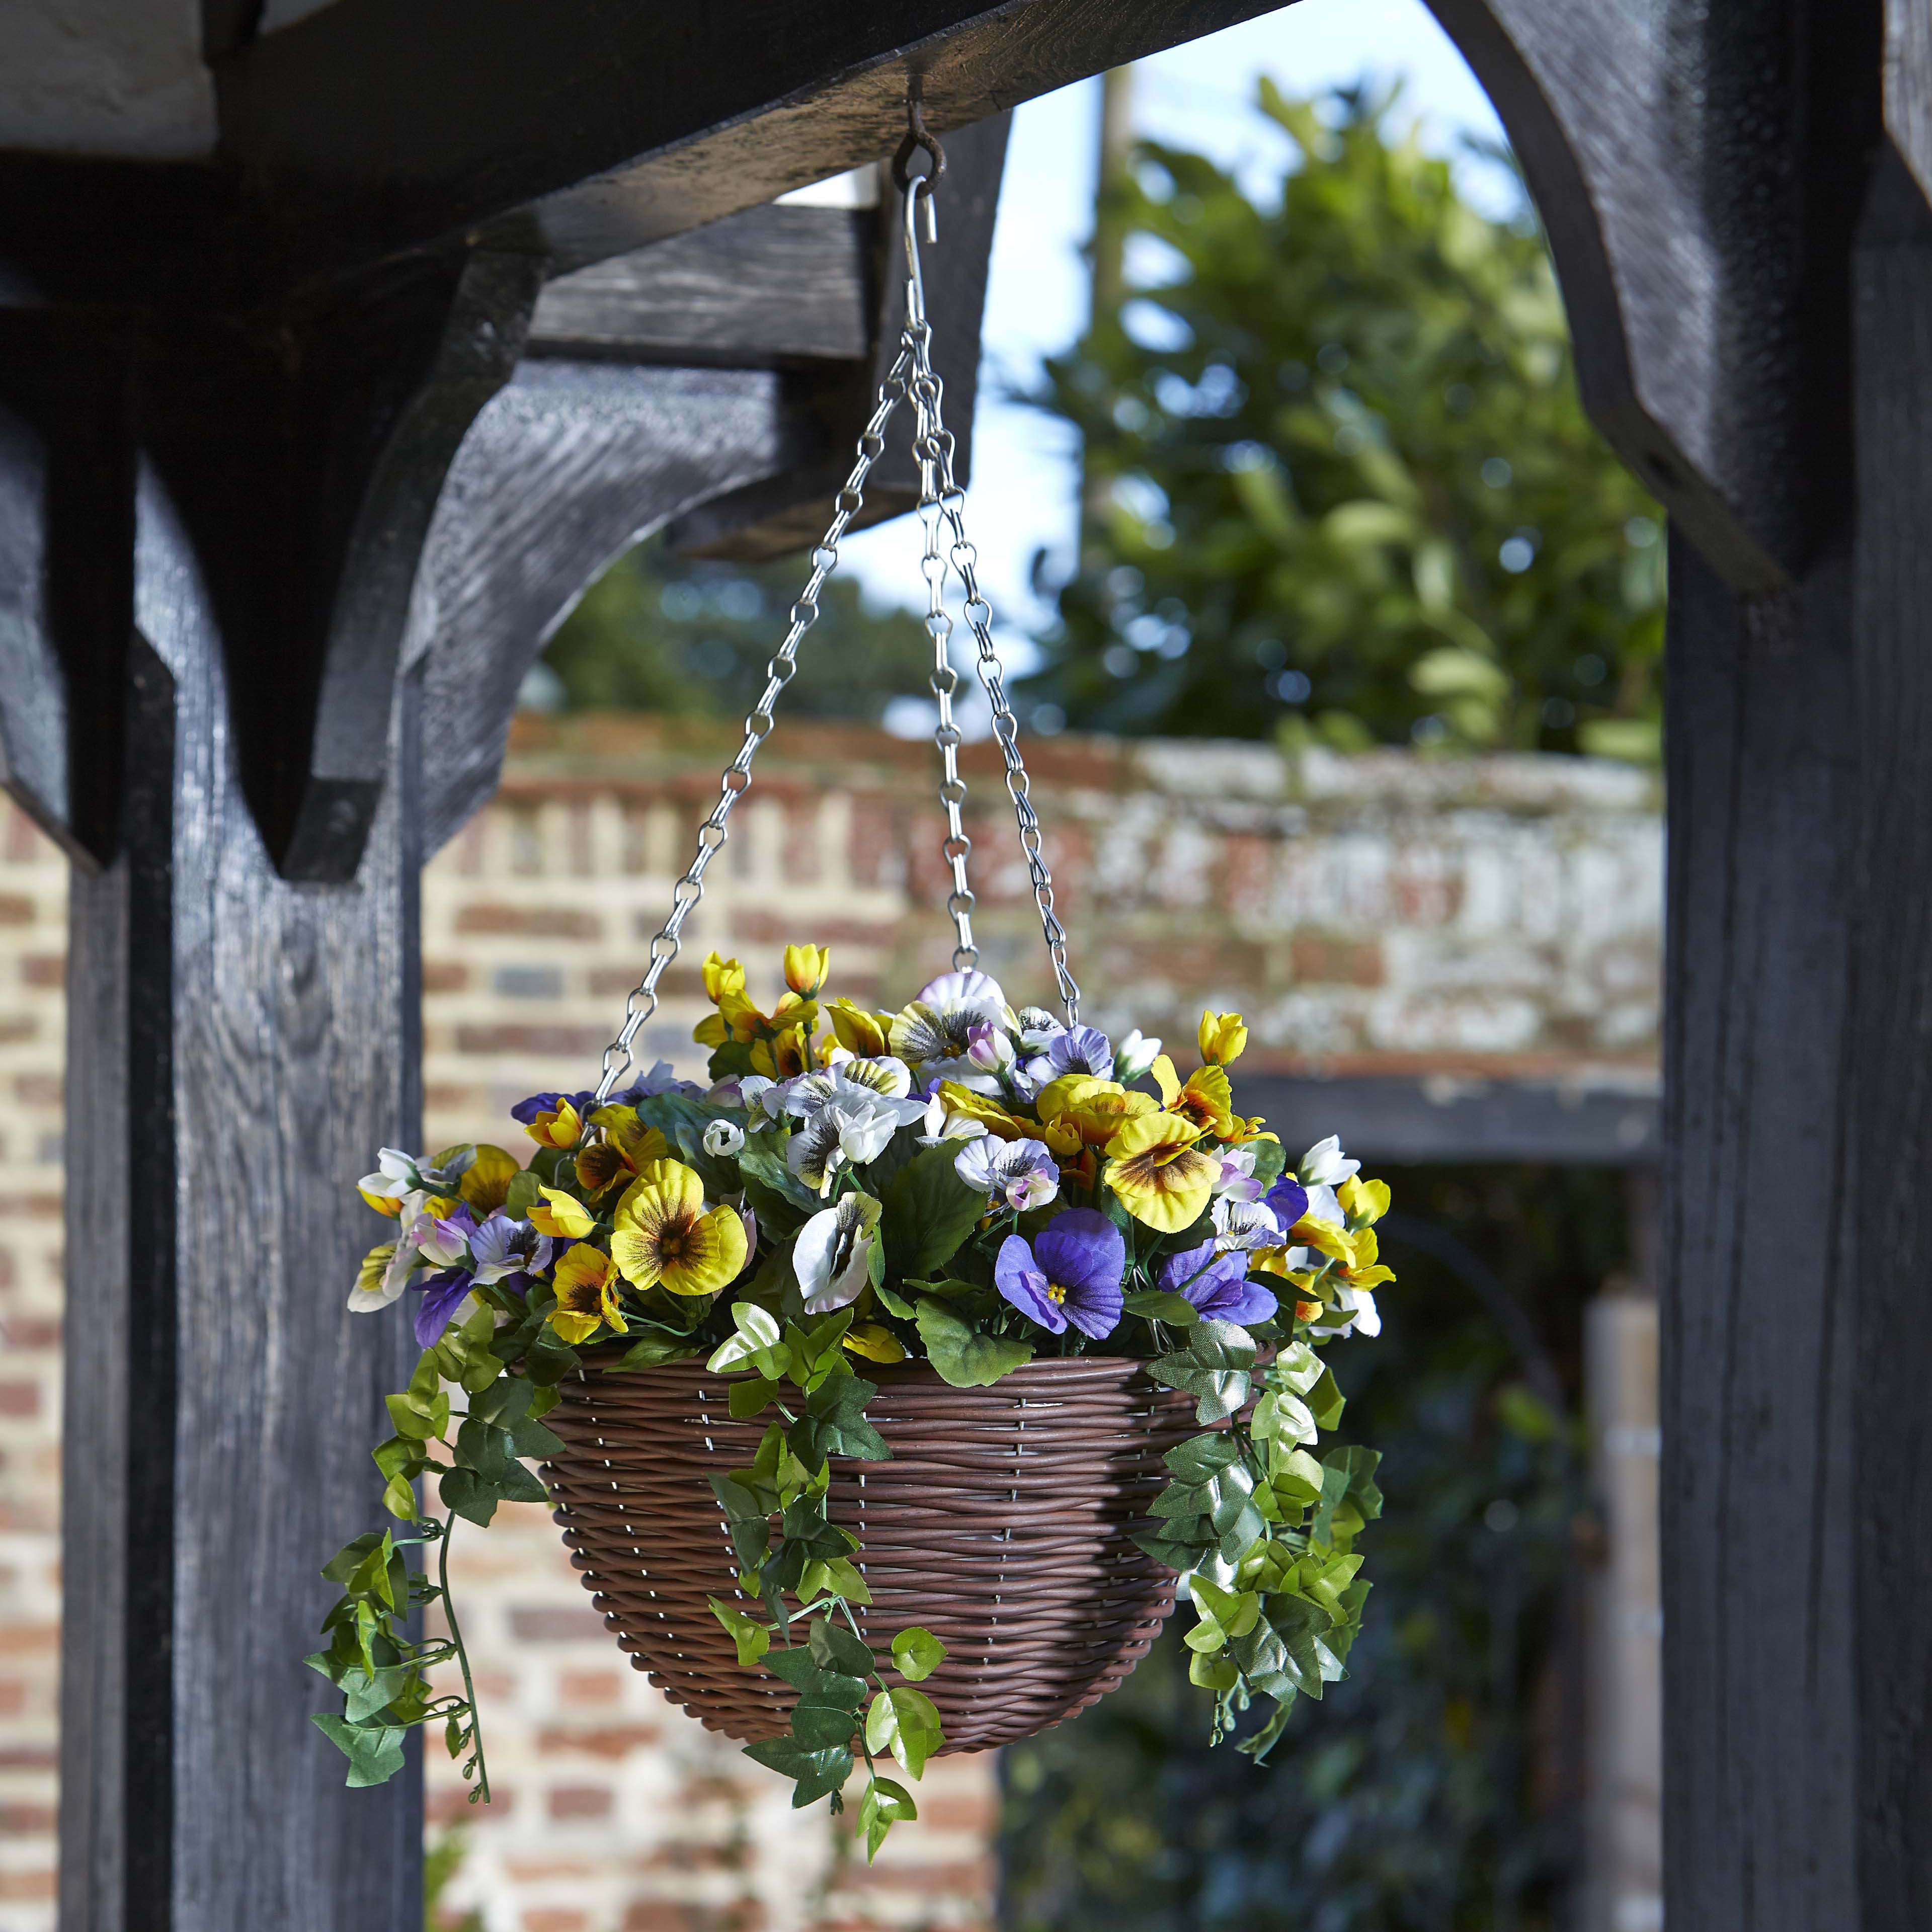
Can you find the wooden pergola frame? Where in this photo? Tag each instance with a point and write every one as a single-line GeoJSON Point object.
{"type": "Point", "coordinates": [304, 450]}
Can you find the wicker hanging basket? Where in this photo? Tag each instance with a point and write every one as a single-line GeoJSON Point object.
{"type": "Point", "coordinates": [1004, 1524]}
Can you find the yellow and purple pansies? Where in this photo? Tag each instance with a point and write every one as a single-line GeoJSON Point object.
{"type": "Point", "coordinates": [658, 1204]}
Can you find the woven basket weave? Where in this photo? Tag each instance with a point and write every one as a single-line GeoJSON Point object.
{"type": "Point", "coordinates": [1004, 1524]}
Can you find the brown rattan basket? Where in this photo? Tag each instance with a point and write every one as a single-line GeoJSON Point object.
{"type": "Point", "coordinates": [1004, 1524]}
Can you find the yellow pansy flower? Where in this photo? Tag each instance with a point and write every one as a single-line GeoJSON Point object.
{"type": "Point", "coordinates": [375, 1266]}
{"type": "Point", "coordinates": [722, 976]}
{"type": "Point", "coordinates": [963, 1101]}
{"type": "Point", "coordinates": [1325, 1238]}
{"type": "Point", "coordinates": [807, 968]}
{"type": "Point", "coordinates": [1240, 1130]}
{"type": "Point", "coordinates": [1222, 1038]}
{"type": "Point", "coordinates": [1080, 1110]}
{"type": "Point", "coordinates": [789, 1053]}
{"type": "Point", "coordinates": [391, 1204]}
{"type": "Point", "coordinates": [1205, 1099]}
{"type": "Point", "coordinates": [866, 1034]}
{"type": "Point", "coordinates": [667, 1238]}
{"type": "Point", "coordinates": [561, 1216]}
{"type": "Point", "coordinates": [1363, 1201]}
{"type": "Point", "coordinates": [627, 1147]}
{"type": "Point", "coordinates": [485, 1184]}
{"type": "Point", "coordinates": [875, 1343]}
{"type": "Point", "coordinates": [1159, 1174]}
{"type": "Point", "coordinates": [558, 1127]}
{"type": "Point", "coordinates": [586, 1294]}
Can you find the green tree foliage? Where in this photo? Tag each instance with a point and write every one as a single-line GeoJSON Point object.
{"type": "Point", "coordinates": [1436, 1789]}
{"type": "Point", "coordinates": [1351, 490]}
{"type": "Point", "coordinates": [686, 636]}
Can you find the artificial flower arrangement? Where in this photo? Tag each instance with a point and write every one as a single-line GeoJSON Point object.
{"type": "Point", "coordinates": [956, 1183]}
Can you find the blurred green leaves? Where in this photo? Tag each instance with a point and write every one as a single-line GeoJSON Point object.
{"type": "Point", "coordinates": [1353, 496]}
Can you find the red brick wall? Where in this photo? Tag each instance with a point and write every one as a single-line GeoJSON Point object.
{"type": "Point", "coordinates": [1381, 912]}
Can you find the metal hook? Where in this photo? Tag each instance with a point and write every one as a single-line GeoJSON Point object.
{"type": "Point", "coordinates": [917, 136]}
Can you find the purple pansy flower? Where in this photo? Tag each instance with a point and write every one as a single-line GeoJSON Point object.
{"type": "Point", "coordinates": [1018, 1174]}
{"type": "Point", "coordinates": [442, 1294]}
{"type": "Point", "coordinates": [1289, 1200]}
{"type": "Point", "coordinates": [1070, 1272]}
{"type": "Point", "coordinates": [1218, 1285]}
{"type": "Point", "coordinates": [502, 1247]}
{"type": "Point", "coordinates": [1083, 1049]}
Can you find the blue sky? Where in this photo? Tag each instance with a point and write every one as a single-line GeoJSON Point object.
{"type": "Point", "coordinates": [1201, 96]}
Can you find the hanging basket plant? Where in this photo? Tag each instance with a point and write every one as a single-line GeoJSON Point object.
{"type": "Point", "coordinates": [888, 1384]}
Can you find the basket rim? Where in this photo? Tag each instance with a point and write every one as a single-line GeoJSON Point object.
{"type": "Point", "coordinates": [915, 1372]}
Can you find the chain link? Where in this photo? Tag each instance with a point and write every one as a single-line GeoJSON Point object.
{"type": "Point", "coordinates": [642, 1001]}
{"type": "Point", "coordinates": [941, 508]}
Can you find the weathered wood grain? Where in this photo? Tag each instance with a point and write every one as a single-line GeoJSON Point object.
{"type": "Point", "coordinates": [222, 1227]}
{"type": "Point", "coordinates": [1890, 1044]}
{"type": "Point", "coordinates": [562, 471]}
{"type": "Point", "coordinates": [771, 285]}
{"type": "Point", "coordinates": [1762, 1281]}
{"type": "Point", "coordinates": [375, 127]}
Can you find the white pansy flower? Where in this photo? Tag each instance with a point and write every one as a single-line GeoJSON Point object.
{"type": "Point", "coordinates": [1325, 1164]}
{"type": "Point", "coordinates": [1242, 1226]}
{"type": "Point", "coordinates": [1135, 1057]}
{"type": "Point", "coordinates": [833, 1256]}
{"type": "Point", "coordinates": [723, 1137]}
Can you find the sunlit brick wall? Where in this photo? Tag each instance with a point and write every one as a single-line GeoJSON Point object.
{"type": "Point", "coordinates": [1384, 913]}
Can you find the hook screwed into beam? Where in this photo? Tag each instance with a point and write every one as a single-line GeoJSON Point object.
{"type": "Point", "coordinates": [918, 136]}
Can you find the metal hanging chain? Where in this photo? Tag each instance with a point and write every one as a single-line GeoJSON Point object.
{"type": "Point", "coordinates": [941, 501]}
{"type": "Point", "coordinates": [642, 1001]}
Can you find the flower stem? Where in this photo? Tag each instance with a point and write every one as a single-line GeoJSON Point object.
{"type": "Point", "coordinates": [482, 1791]}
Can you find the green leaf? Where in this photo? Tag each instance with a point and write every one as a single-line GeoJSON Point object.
{"type": "Point", "coordinates": [797, 1666]}
{"type": "Point", "coordinates": [1215, 1368]}
{"type": "Point", "coordinates": [751, 1397]}
{"type": "Point", "coordinates": [906, 1723]}
{"type": "Point", "coordinates": [1325, 1401]}
{"type": "Point", "coordinates": [652, 1350]}
{"type": "Point", "coordinates": [523, 1196]}
{"type": "Point", "coordinates": [885, 1805]}
{"type": "Point", "coordinates": [917, 1654]}
{"type": "Point", "coordinates": [833, 1647]}
{"type": "Point", "coordinates": [834, 1424]}
{"type": "Point", "coordinates": [961, 1356]}
{"type": "Point", "coordinates": [762, 1159]}
{"type": "Point", "coordinates": [751, 1637]}
{"type": "Point", "coordinates": [817, 1773]}
{"type": "Point", "coordinates": [928, 1211]}
{"type": "Point", "coordinates": [374, 1752]}
{"type": "Point", "coordinates": [1155, 1304]}
{"type": "Point", "coordinates": [840, 1577]}
{"type": "Point", "coordinates": [464, 1492]}
{"type": "Point", "coordinates": [399, 1499]}
{"type": "Point", "coordinates": [753, 1343]}
{"type": "Point", "coordinates": [892, 1304]}
{"type": "Point", "coordinates": [1265, 1739]}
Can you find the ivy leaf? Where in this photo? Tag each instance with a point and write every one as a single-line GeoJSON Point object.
{"type": "Point", "coordinates": [753, 1343]}
{"type": "Point", "coordinates": [928, 1211]}
{"type": "Point", "coordinates": [917, 1654]}
{"type": "Point", "coordinates": [751, 1637]}
{"type": "Point", "coordinates": [1154, 1304]}
{"type": "Point", "coordinates": [817, 1773]}
{"type": "Point", "coordinates": [839, 1577]}
{"type": "Point", "coordinates": [374, 1751]}
{"type": "Point", "coordinates": [906, 1723]}
{"type": "Point", "coordinates": [796, 1665]}
{"type": "Point", "coordinates": [834, 1648]}
{"type": "Point", "coordinates": [1215, 1368]}
{"type": "Point", "coordinates": [464, 1491]}
{"type": "Point", "coordinates": [834, 1424]}
{"type": "Point", "coordinates": [961, 1355]}
{"type": "Point", "coordinates": [751, 1397]}
{"type": "Point", "coordinates": [653, 1351]}
{"type": "Point", "coordinates": [885, 1805]}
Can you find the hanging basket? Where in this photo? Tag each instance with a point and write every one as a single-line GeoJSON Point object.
{"type": "Point", "coordinates": [1004, 1524]}
{"type": "Point", "coordinates": [894, 1254]}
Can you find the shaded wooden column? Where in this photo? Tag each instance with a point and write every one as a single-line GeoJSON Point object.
{"type": "Point", "coordinates": [237, 1045]}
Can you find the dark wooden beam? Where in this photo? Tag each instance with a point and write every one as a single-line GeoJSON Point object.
{"type": "Point", "coordinates": [376, 126]}
{"type": "Point", "coordinates": [237, 1045]}
{"type": "Point", "coordinates": [1798, 1251]}
{"type": "Point", "coordinates": [1431, 1122]}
